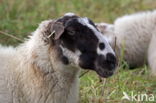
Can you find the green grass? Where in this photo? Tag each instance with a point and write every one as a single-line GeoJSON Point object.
{"type": "Point", "coordinates": [21, 17]}
{"type": "Point", "coordinates": [137, 81]}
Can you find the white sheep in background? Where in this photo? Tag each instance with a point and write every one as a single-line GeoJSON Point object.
{"type": "Point", "coordinates": [45, 68]}
{"type": "Point", "coordinates": [133, 33]}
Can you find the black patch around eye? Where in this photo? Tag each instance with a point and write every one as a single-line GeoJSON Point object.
{"type": "Point", "coordinates": [102, 46]}
{"type": "Point", "coordinates": [65, 60]}
{"type": "Point", "coordinates": [84, 39]}
{"type": "Point", "coordinates": [71, 32]}
{"type": "Point", "coordinates": [68, 42]}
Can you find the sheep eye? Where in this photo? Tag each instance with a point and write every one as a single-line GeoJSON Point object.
{"type": "Point", "coordinates": [71, 32]}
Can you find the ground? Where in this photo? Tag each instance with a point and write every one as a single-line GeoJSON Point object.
{"type": "Point", "coordinates": [20, 17]}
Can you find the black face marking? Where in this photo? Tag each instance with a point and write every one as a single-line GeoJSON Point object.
{"type": "Point", "coordinates": [80, 37]}
{"type": "Point", "coordinates": [105, 66]}
{"type": "Point", "coordinates": [65, 19]}
{"type": "Point", "coordinates": [91, 22]}
{"type": "Point", "coordinates": [87, 60]}
{"type": "Point", "coordinates": [101, 46]}
{"type": "Point", "coordinates": [111, 60]}
{"type": "Point", "coordinates": [65, 60]}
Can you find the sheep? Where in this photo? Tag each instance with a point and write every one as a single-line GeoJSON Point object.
{"type": "Point", "coordinates": [45, 68]}
{"type": "Point", "coordinates": [133, 34]}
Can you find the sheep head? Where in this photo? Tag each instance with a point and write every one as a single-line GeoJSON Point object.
{"type": "Point", "coordinates": [82, 45]}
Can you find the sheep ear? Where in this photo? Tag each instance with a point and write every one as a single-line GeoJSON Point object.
{"type": "Point", "coordinates": [103, 27]}
{"type": "Point", "coordinates": [58, 30]}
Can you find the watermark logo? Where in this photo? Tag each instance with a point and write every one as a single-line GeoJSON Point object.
{"type": "Point", "coordinates": [125, 96]}
{"type": "Point", "coordinates": [138, 96]}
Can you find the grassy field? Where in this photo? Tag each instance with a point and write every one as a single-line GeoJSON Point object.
{"type": "Point", "coordinates": [21, 17]}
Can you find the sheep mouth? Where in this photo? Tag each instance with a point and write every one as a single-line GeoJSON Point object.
{"type": "Point", "coordinates": [104, 73]}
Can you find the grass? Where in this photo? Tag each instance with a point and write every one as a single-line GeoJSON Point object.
{"type": "Point", "coordinates": [21, 17]}
{"type": "Point", "coordinates": [137, 81]}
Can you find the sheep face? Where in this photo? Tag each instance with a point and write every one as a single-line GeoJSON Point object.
{"type": "Point", "coordinates": [82, 45]}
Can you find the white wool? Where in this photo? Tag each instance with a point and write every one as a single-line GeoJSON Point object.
{"type": "Point", "coordinates": [32, 74]}
{"type": "Point", "coordinates": [134, 32]}
{"type": "Point", "coordinates": [69, 14]}
{"type": "Point", "coordinates": [152, 55]}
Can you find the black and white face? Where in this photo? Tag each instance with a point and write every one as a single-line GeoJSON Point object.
{"type": "Point", "coordinates": [83, 45]}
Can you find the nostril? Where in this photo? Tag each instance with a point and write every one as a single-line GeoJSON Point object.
{"type": "Point", "coordinates": [110, 58]}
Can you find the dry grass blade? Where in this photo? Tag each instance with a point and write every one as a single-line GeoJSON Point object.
{"type": "Point", "coordinates": [14, 37]}
{"type": "Point", "coordinates": [115, 44]}
{"type": "Point", "coordinates": [83, 73]}
{"type": "Point", "coordinates": [103, 87]}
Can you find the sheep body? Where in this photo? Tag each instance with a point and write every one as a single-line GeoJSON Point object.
{"type": "Point", "coordinates": [134, 32]}
{"type": "Point", "coordinates": [23, 80]}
